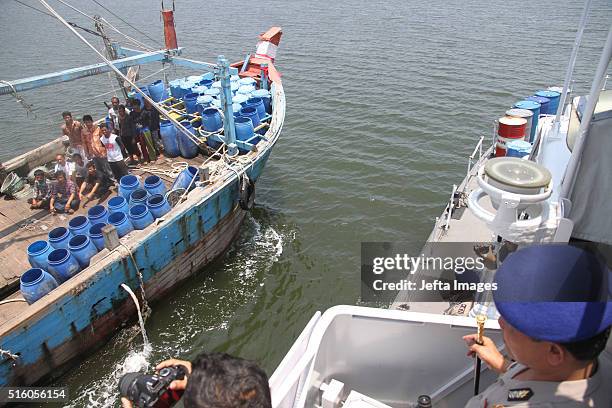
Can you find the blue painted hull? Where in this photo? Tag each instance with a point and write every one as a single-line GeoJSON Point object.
{"type": "Point", "coordinates": [76, 322]}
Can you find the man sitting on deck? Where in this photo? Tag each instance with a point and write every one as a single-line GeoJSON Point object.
{"type": "Point", "coordinates": [64, 166]}
{"type": "Point", "coordinates": [41, 191]}
{"type": "Point", "coordinates": [95, 185]}
{"type": "Point", "coordinates": [556, 316]}
{"type": "Point", "coordinates": [64, 196]}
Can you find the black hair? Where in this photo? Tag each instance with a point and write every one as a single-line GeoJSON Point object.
{"type": "Point", "coordinates": [90, 164]}
{"type": "Point", "coordinates": [121, 106]}
{"type": "Point", "coordinates": [134, 102]}
{"type": "Point", "coordinates": [87, 118]}
{"type": "Point", "coordinates": [588, 349]}
{"type": "Point", "coordinates": [39, 172]}
{"type": "Point", "coordinates": [113, 98]}
{"type": "Point", "coordinates": [102, 125]}
{"type": "Point", "coordinates": [219, 380]}
{"type": "Point", "coordinates": [60, 173]}
{"type": "Point", "coordinates": [66, 113]}
{"type": "Point", "coordinates": [75, 155]}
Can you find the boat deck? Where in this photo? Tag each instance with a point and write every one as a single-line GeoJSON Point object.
{"type": "Point", "coordinates": [20, 226]}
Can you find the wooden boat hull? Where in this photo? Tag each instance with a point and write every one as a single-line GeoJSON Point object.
{"type": "Point", "coordinates": [82, 314]}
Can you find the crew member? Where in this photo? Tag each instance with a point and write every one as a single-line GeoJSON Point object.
{"type": "Point", "coordinates": [556, 315]}
{"type": "Point", "coordinates": [72, 128]}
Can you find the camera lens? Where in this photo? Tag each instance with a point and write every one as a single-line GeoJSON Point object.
{"type": "Point", "coordinates": [164, 372]}
{"type": "Point", "coordinates": [125, 383]}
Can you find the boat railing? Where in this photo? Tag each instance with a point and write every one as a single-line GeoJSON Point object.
{"type": "Point", "coordinates": [471, 162]}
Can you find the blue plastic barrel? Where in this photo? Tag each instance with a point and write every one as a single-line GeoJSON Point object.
{"type": "Point", "coordinates": [257, 103]}
{"type": "Point", "coordinates": [156, 90]}
{"type": "Point", "coordinates": [211, 120]}
{"type": "Point", "coordinates": [206, 83]}
{"type": "Point", "coordinates": [203, 102]}
{"type": "Point", "coordinates": [127, 184]}
{"type": "Point", "coordinates": [535, 108]}
{"type": "Point", "coordinates": [244, 128]}
{"type": "Point", "coordinates": [95, 235]}
{"type": "Point", "coordinates": [265, 97]}
{"type": "Point", "coordinates": [62, 265]}
{"type": "Point", "coordinates": [175, 88]}
{"type": "Point", "coordinates": [59, 237]}
{"type": "Point", "coordinates": [140, 216]}
{"type": "Point", "coordinates": [82, 249]}
{"type": "Point", "coordinates": [138, 196]}
{"type": "Point", "coordinates": [185, 87]}
{"type": "Point", "coordinates": [251, 112]}
{"type": "Point", "coordinates": [240, 99]}
{"type": "Point", "coordinates": [38, 252]}
{"type": "Point", "coordinates": [190, 102]}
{"type": "Point", "coordinates": [188, 148]}
{"type": "Point", "coordinates": [121, 222]}
{"type": "Point", "coordinates": [36, 283]}
{"type": "Point", "coordinates": [553, 97]}
{"type": "Point", "coordinates": [247, 81]}
{"type": "Point", "coordinates": [245, 89]}
{"type": "Point", "coordinates": [117, 204]}
{"type": "Point", "coordinates": [214, 92]}
{"type": "Point", "coordinates": [169, 140]}
{"type": "Point", "coordinates": [185, 177]}
{"type": "Point", "coordinates": [544, 103]}
{"type": "Point", "coordinates": [154, 185]}
{"type": "Point", "coordinates": [518, 148]}
{"type": "Point", "coordinates": [78, 225]}
{"type": "Point", "coordinates": [158, 205]}
{"type": "Point", "coordinates": [96, 214]}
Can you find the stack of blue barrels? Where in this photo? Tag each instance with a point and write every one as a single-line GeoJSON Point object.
{"type": "Point", "coordinates": [543, 102]}
{"type": "Point", "coordinates": [67, 251]}
{"type": "Point", "coordinates": [201, 97]}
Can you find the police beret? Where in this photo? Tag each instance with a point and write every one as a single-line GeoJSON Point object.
{"type": "Point", "coordinates": [557, 293]}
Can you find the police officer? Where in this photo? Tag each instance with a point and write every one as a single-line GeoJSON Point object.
{"type": "Point", "coordinates": [556, 314]}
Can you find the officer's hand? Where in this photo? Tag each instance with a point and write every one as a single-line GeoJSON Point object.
{"type": "Point", "coordinates": [177, 385]}
{"type": "Point", "coordinates": [125, 403]}
{"type": "Point", "coordinates": [487, 352]}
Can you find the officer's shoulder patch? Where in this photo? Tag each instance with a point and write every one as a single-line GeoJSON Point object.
{"type": "Point", "coordinates": [520, 394]}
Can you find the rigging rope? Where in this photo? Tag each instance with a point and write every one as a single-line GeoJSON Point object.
{"type": "Point", "coordinates": [125, 22]}
{"type": "Point", "coordinates": [24, 104]}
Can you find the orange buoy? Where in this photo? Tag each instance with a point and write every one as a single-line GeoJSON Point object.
{"type": "Point", "coordinates": [510, 128]}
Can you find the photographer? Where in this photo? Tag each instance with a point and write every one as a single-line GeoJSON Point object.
{"type": "Point", "coordinates": [218, 380]}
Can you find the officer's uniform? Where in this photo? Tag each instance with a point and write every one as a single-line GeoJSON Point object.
{"type": "Point", "coordinates": [507, 392]}
{"type": "Point", "coordinates": [545, 292]}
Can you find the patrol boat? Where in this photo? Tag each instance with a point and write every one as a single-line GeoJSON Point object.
{"type": "Point", "coordinates": [351, 356]}
{"type": "Point", "coordinates": [39, 341]}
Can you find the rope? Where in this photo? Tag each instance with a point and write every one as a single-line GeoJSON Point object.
{"type": "Point", "coordinates": [121, 19]}
{"type": "Point", "coordinates": [4, 302]}
{"type": "Point", "coordinates": [8, 354]}
{"type": "Point", "coordinates": [22, 102]}
{"type": "Point", "coordinates": [146, 310]}
{"type": "Point", "coordinates": [133, 40]}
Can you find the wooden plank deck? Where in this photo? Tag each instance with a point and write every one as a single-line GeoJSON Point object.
{"type": "Point", "coordinates": [20, 226]}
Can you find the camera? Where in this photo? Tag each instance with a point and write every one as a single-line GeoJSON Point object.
{"type": "Point", "coordinates": [151, 390]}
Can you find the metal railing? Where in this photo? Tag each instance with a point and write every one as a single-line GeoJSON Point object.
{"type": "Point", "coordinates": [477, 149]}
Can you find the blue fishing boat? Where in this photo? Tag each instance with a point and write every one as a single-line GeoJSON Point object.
{"type": "Point", "coordinates": [191, 210]}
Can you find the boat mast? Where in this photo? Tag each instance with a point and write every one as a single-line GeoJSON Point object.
{"type": "Point", "coordinates": [110, 51]}
{"type": "Point", "coordinates": [572, 63]}
{"type": "Point", "coordinates": [600, 76]}
{"type": "Point", "coordinates": [161, 111]}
